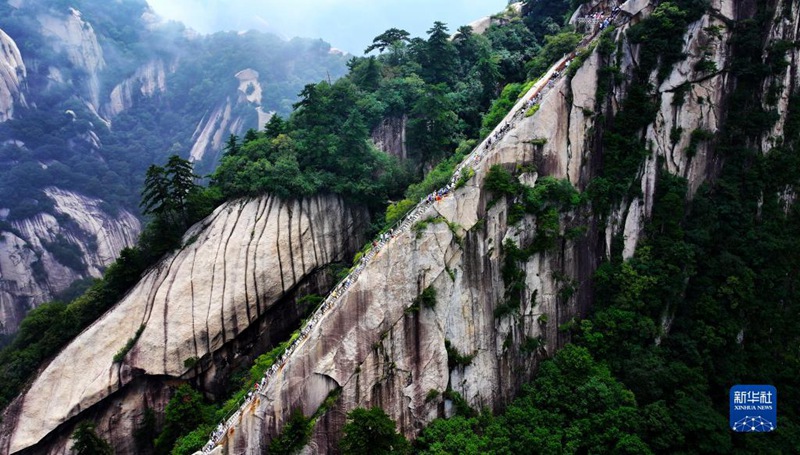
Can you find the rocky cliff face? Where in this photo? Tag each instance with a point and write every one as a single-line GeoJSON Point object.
{"type": "Point", "coordinates": [147, 81]}
{"type": "Point", "coordinates": [33, 263]}
{"type": "Point", "coordinates": [390, 136]}
{"type": "Point", "coordinates": [12, 74]}
{"type": "Point", "coordinates": [214, 298]}
{"type": "Point", "coordinates": [379, 352]}
{"type": "Point", "coordinates": [93, 97]}
{"type": "Point", "coordinates": [222, 299]}
{"type": "Point", "coordinates": [227, 118]}
{"type": "Point", "coordinates": [75, 37]}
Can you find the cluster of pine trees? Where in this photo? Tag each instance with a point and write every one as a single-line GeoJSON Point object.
{"type": "Point", "coordinates": [439, 87]}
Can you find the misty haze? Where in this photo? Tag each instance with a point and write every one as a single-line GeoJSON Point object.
{"type": "Point", "coordinates": [349, 25]}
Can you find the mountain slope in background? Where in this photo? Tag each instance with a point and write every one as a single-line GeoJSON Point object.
{"type": "Point", "coordinates": [91, 94]}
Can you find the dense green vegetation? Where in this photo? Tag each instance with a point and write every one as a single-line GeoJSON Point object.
{"type": "Point", "coordinates": [722, 271]}
{"type": "Point", "coordinates": [574, 405]}
{"type": "Point", "coordinates": [174, 202]}
{"type": "Point", "coordinates": [184, 412]}
{"type": "Point", "coordinates": [371, 432]}
{"type": "Point", "coordinates": [87, 442]}
{"type": "Point", "coordinates": [154, 127]}
{"type": "Point", "coordinates": [708, 301]}
{"type": "Point", "coordinates": [441, 86]}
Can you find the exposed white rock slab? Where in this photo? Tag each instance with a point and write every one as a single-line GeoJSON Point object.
{"type": "Point", "coordinates": [71, 34]}
{"type": "Point", "coordinates": [214, 130]}
{"type": "Point", "coordinates": [251, 89]}
{"type": "Point", "coordinates": [12, 75]}
{"type": "Point", "coordinates": [634, 7]}
{"type": "Point", "coordinates": [235, 265]}
{"type": "Point", "coordinates": [99, 235]}
{"type": "Point", "coordinates": [149, 79]}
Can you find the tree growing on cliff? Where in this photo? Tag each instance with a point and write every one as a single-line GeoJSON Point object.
{"type": "Point", "coordinates": [294, 436]}
{"type": "Point", "coordinates": [387, 39]}
{"type": "Point", "coordinates": [87, 442]}
{"type": "Point", "coordinates": [167, 190]}
{"type": "Point", "coordinates": [173, 199]}
{"type": "Point", "coordinates": [371, 431]}
{"type": "Point", "coordinates": [184, 412]}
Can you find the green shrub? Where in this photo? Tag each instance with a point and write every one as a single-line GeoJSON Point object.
{"type": "Point", "coordinates": [455, 358]}
{"type": "Point", "coordinates": [371, 432]}
{"type": "Point", "coordinates": [395, 212]}
{"type": "Point", "coordinates": [420, 226]}
{"type": "Point", "coordinates": [531, 345]}
{"type": "Point", "coordinates": [499, 181]}
{"type": "Point", "coordinates": [428, 297]}
{"type": "Point", "coordinates": [294, 436]}
{"type": "Point", "coordinates": [500, 107]}
{"type": "Point", "coordinates": [192, 442]}
{"type": "Point", "coordinates": [87, 442]}
{"type": "Point", "coordinates": [190, 362]}
{"type": "Point", "coordinates": [466, 174]}
{"type": "Point", "coordinates": [431, 395]}
{"type": "Point", "coordinates": [185, 412]}
{"type": "Point", "coordinates": [120, 355]}
{"type": "Point", "coordinates": [698, 135]}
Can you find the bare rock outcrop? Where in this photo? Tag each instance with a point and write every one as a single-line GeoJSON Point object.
{"type": "Point", "coordinates": [214, 129]}
{"type": "Point", "coordinates": [390, 136]}
{"type": "Point", "coordinates": [31, 273]}
{"type": "Point", "coordinates": [148, 80]}
{"type": "Point", "coordinates": [76, 37]}
{"type": "Point", "coordinates": [12, 75]}
{"type": "Point", "coordinates": [481, 25]}
{"type": "Point", "coordinates": [226, 119]}
{"type": "Point", "coordinates": [250, 88]}
{"type": "Point", "coordinates": [215, 301]}
{"type": "Point", "coordinates": [378, 350]}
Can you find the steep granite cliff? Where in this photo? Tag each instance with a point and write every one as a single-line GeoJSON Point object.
{"type": "Point", "coordinates": [94, 92]}
{"type": "Point", "coordinates": [377, 349]}
{"type": "Point", "coordinates": [148, 80]}
{"type": "Point", "coordinates": [43, 255]}
{"type": "Point", "coordinates": [76, 37]}
{"type": "Point", "coordinates": [222, 299]}
{"type": "Point", "coordinates": [12, 73]}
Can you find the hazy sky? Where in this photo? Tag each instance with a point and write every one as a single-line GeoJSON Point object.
{"type": "Point", "coordinates": [349, 25]}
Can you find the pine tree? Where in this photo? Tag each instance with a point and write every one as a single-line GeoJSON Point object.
{"type": "Point", "coordinates": [155, 195]}
{"type": "Point", "coordinates": [439, 56]}
{"type": "Point", "coordinates": [371, 432]}
{"type": "Point", "coordinates": [180, 174]}
{"type": "Point", "coordinates": [87, 442]}
{"type": "Point", "coordinates": [232, 146]}
{"type": "Point", "coordinates": [388, 39]}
